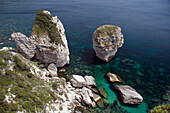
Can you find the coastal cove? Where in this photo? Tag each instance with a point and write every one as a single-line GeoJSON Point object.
{"type": "Point", "coordinates": [142, 62]}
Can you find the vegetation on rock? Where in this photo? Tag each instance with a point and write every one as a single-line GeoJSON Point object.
{"type": "Point", "coordinates": [44, 25]}
{"type": "Point", "coordinates": [20, 89]}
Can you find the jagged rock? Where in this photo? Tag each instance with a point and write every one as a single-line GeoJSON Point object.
{"type": "Point", "coordinates": [77, 81]}
{"type": "Point", "coordinates": [47, 42]}
{"type": "Point", "coordinates": [129, 95]}
{"type": "Point", "coordinates": [86, 94]}
{"type": "Point", "coordinates": [113, 77]}
{"type": "Point", "coordinates": [52, 70]}
{"type": "Point", "coordinates": [24, 45]}
{"type": "Point", "coordinates": [106, 40]}
{"type": "Point", "coordinates": [90, 81]}
{"type": "Point", "coordinates": [102, 91]}
{"type": "Point", "coordinates": [98, 100]}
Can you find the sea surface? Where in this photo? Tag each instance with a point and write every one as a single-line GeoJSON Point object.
{"type": "Point", "coordinates": [146, 28]}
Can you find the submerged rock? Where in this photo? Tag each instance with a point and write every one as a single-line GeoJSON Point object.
{"type": "Point", "coordinates": [113, 77]}
{"type": "Point", "coordinates": [47, 42]}
{"type": "Point", "coordinates": [129, 95]}
{"type": "Point", "coordinates": [106, 40]}
{"type": "Point", "coordinates": [52, 70]}
{"type": "Point", "coordinates": [98, 100]}
{"type": "Point", "coordinates": [102, 91]}
{"type": "Point", "coordinates": [77, 81]}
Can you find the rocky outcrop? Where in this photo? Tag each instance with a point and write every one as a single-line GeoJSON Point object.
{"type": "Point", "coordinates": [24, 45]}
{"type": "Point", "coordinates": [129, 95]}
{"type": "Point", "coordinates": [52, 70]}
{"type": "Point", "coordinates": [47, 42]}
{"type": "Point", "coordinates": [77, 81]}
{"type": "Point", "coordinates": [113, 77]}
{"type": "Point", "coordinates": [106, 40]}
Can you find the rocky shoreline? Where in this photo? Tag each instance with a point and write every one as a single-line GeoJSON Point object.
{"type": "Point", "coordinates": [48, 45]}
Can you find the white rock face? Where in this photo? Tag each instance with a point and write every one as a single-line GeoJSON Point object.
{"type": "Point", "coordinates": [52, 70]}
{"type": "Point", "coordinates": [90, 81]}
{"type": "Point", "coordinates": [86, 94]}
{"type": "Point", "coordinates": [106, 40]}
{"type": "Point", "coordinates": [77, 81]}
{"type": "Point", "coordinates": [24, 45]}
{"type": "Point", "coordinates": [43, 46]}
{"type": "Point", "coordinates": [129, 95]}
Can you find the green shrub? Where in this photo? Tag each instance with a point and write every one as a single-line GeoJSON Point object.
{"type": "Point", "coordinates": [29, 75]}
{"type": "Point", "coordinates": [54, 86]}
{"type": "Point", "coordinates": [161, 109]}
{"type": "Point", "coordinates": [19, 65]}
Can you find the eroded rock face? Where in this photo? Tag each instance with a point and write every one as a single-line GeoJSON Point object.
{"type": "Point", "coordinates": [47, 42]}
{"type": "Point", "coordinates": [24, 45]}
{"type": "Point", "coordinates": [106, 40]}
{"type": "Point", "coordinates": [129, 95]}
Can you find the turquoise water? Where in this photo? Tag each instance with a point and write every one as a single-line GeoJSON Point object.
{"type": "Point", "coordinates": [146, 28]}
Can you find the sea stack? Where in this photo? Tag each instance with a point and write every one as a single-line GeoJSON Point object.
{"type": "Point", "coordinates": [106, 40]}
{"type": "Point", "coordinates": [47, 42]}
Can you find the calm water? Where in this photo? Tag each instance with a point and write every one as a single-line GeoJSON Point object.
{"type": "Point", "coordinates": [146, 28]}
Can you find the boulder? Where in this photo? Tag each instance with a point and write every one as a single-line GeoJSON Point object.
{"type": "Point", "coordinates": [106, 40]}
{"type": "Point", "coordinates": [86, 94]}
{"type": "Point", "coordinates": [129, 95]}
{"type": "Point", "coordinates": [113, 77]}
{"type": "Point", "coordinates": [52, 70]}
{"type": "Point", "coordinates": [47, 42]}
{"type": "Point", "coordinates": [24, 45]}
{"type": "Point", "coordinates": [77, 81]}
{"type": "Point", "coordinates": [90, 81]}
{"type": "Point", "coordinates": [98, 100]}
{"type": "Point", "coordinates": [102, 91]}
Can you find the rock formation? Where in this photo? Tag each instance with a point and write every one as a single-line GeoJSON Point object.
{"type": "Point", "coordinates": [106, 40]}
{"type": "Point", "coordinates": [47, 42]}
{"type": "Point", "coordinates": [52, 70]}
{"type": "Point", "coordinates": [113, 77]}
{"type": "Point", "coordinates": [129, 95]}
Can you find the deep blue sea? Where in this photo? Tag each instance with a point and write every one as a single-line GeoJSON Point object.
{"type": "Point", "coordinates": [146, 28]}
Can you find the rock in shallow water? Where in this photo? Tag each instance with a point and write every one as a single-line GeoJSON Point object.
{"type": "Point", "coordinates": [113, 77]}
{"type": "Point", "coordinates": [47, 42]}
{"type": "Point", "coordinates": [106, 40]}
{"type": "Point", "coordinates": [102, 91]}
{"type": "Point", "coordinates": [129, 95]}
{"type": "Point", "coordinates": [90, 81]}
